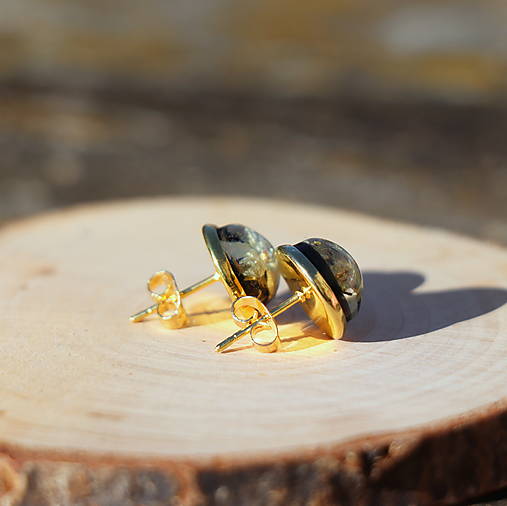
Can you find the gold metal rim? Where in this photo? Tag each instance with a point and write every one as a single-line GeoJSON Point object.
{"type": "Point", "coordinates": [321, 304]}
{"type": "Point", "coordinates": [222, 265]}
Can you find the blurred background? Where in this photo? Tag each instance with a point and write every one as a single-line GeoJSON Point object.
{"type": "Point", "coordinates": [392, 108]}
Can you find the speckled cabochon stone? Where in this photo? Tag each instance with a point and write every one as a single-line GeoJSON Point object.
{"type": "Point", "coordinates": [253, 260]}
{"type": "Point", "coordinates": [339, 269]}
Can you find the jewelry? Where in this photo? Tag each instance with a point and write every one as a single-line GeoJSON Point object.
{"type": "Point", "coordinates": [322, 276]}
{"type": "Point", "coordinates": [244, 261]}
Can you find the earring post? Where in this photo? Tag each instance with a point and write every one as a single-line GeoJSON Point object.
{"type": "Point", "coordinates": [141, 315]}
{"type": "Point", "coordinates": [200, 285]}
{"type": "Point", "coordinates": [294, 299]}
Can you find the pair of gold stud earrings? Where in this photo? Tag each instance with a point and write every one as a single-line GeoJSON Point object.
{"type": "Point", "coordinates": [321, 275]}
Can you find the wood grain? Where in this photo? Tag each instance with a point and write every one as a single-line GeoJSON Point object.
{"type": "Point", "coordinates": [409, 407]}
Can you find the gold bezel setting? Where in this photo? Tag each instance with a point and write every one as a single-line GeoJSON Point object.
{"type": "Point", "coordinates": [321, 304]}
{"type": "Point", "coordinates": [221, 263]}
{"type": "Point", "coordinates": [311, 275]}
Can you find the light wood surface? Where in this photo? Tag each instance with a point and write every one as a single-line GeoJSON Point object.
{"type": "Point", "coordinates": [414, 393]}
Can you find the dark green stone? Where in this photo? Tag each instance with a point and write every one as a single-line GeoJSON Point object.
{"type": "Point", "coordinates": [253, 260]}
{"type": "Point", "coordinates": [339, 269]}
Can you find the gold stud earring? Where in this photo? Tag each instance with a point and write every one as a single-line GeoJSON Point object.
{"type": "Point", "coordinates": [244, 261]}
{"type": "Point", "coordinates": [322, 276]}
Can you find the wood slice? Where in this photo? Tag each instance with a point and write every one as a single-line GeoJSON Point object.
{"type": "Point", "coordinates": [410, 407]}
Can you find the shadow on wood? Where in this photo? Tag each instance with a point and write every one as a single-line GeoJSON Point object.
{"type": "Point", "coordinates": [392, 308]}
